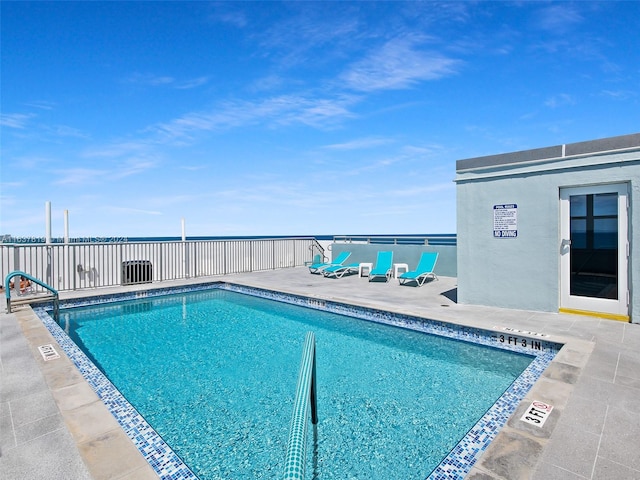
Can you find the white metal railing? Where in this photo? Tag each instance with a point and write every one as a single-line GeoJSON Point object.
{"type": "Point", "coordinates": [435, 239]}
{"type": "Point", "coordinates": [76, 266]}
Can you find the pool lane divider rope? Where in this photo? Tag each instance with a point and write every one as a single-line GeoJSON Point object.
{"type": "Point", "coordinates": [306, 398]}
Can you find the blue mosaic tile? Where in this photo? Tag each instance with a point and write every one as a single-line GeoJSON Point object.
{"type": "Point", "coordinates": [456, 465]}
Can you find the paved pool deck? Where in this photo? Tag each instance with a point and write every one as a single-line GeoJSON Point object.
{"type": "Point", "coordinates": [53, 426]}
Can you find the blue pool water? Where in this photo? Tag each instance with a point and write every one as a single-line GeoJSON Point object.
{"type": "Point", "coordinates": [214, 372]}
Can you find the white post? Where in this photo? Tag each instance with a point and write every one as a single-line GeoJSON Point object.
{"type": "Point", "coordinates": [47, 213]}
{"type": "Point", "coordinates": [185, 260]}
{"type": "Point", "coordinates": [66, 226]}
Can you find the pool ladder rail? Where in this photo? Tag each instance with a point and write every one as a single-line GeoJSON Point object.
{"type": "Point", "coordinates": [27, 295]}
{"type": "Point", "coordinates": [306, 397]}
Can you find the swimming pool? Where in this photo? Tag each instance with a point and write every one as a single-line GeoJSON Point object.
{"type": "Point", "coordinates": [369, 429]}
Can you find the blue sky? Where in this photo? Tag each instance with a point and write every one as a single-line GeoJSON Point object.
{"type": "Point", "coordinates": [260, 118]}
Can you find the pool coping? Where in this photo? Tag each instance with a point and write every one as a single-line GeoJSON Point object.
{"type": "Point", "coordinates": [549, 391]}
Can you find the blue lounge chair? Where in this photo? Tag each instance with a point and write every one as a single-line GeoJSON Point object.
{"type": "Point", "coordinates": [339, 260]}
{"type": "Point", "coordinates": [317, 258]}
{"type": "Point", "coordinates": [423, 271]}
{"type": "Point", "coordinates": [383, 265]}
{"type": "Point", "coordinates": [339, 271]}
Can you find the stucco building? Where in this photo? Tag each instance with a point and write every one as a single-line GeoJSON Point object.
{"type": "Point", "coordinates": [552, 229]}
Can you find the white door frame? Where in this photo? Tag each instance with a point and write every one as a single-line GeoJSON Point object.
{"type": "Point", "coordinates": [609, 308]}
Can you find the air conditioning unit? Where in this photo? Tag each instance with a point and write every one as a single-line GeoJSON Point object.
{"type": "Point", "coordinates": [137, 271]}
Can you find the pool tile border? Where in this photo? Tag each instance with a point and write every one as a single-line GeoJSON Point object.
{"type": "Point", "coordinates": [456, 465]}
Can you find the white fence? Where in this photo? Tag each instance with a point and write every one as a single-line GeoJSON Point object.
{"type": "Point", "coordinates": [87, 265]}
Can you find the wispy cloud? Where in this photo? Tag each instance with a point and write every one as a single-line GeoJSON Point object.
{"type": "Point", "coordinates": [152, 80]}
{"type": "Point", "coordinates": [193, 168]}
{"type": "Point", "coordinates": [66, 131]}
{"type": "Point", "coordinates": [560, 100]}
{"type": "Point", "coordinates": [169, 200]}
{"type": "Point", "coordinates": [417, 191]}
{"type": "Point", "coordinates": [559, 18]}
{"type": "Point", "coordinates": [224, 14]}
{"type": "Point", "coordinates": [119, 149]}
{"type": "Point", "coordinates": [15, 120]}
{"type": "Point", "coordinates": [132, 167]}
{"type": "Point", "coordinates": [8, 198]}
{"type": "Point", "coordinates": [310, 36]}
{"type": "Point", "coordinates": [42, 105]}
{"type": "Point", "coordinates": [24, 221]}
{"type": "Point", "coordinates": [360, 143]}
{"type": "Point", "coordinates": [399, 64]}
{"type": "Point", "coordinates": [268, 83]}
{"type": "Point", "coordinates": [79, 176]}
{"type": "Point", "coordinates": [619, 94]}
{"type": "Point", "coordinates": [282, 194]}
{"type": "Point", "coordinates": [320, 113]}
{"type": "Point", "coordinates": [564, 34]}
{"type": "Point", "coordinates": [407, 155]}
{"type": "Point", "coordinates": [192, 83]}
{"type": "Point", "coordinates": [29, 162]}
{"type": "Point", "coordinates": [6, 185]}
{"type": "Point", "coordinates": [372, 165]}
{"type": "Point", "coordinates": [116, 163]}
{"type": "Point", "coordinates": [28, 126]}
{"type": "Point", "coordinates": [274, 111]}
{"type": "Point", "coordinates": [130, 210]}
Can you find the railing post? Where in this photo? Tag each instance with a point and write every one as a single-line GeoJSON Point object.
{"type": "Point", "coordinates": [16, 258]}
{"type": "Point", "coordinates": [49, 268]}
{"type": "Point", "coordinates": [185, 261]}
{"type": "Point", "coordinates": [306, 396]}
{"type": "Point", "coordinates": [224, 257]}
{"type": "Point", "coordinates": [73, 268]}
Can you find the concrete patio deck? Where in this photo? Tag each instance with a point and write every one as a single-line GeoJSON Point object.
{"type": "Point", "coordinates": [52, 425]}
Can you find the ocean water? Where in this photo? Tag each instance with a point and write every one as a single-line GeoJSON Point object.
{"type": "Point", "coordinates": [215, 372]}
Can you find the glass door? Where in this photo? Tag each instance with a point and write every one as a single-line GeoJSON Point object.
{"type": "Point", "coordinates": [594, 249]}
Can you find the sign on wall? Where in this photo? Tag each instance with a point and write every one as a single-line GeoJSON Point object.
{"type": "Point", "coordinates": [505, 220]}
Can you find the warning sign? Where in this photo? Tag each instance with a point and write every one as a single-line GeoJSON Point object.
{"type": "Point", "coordinates": [48, 352]}
{"type": "Point", "coordinates": [505, 220]}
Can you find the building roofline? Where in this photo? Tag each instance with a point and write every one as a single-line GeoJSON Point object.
{"type": "Point", "coordinates": [611, 144]}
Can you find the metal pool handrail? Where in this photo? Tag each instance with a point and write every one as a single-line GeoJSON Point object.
{"type": "Point", "coordinates": [33, 279]}
{"type": "Point", "coordinates": [306, 396]}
